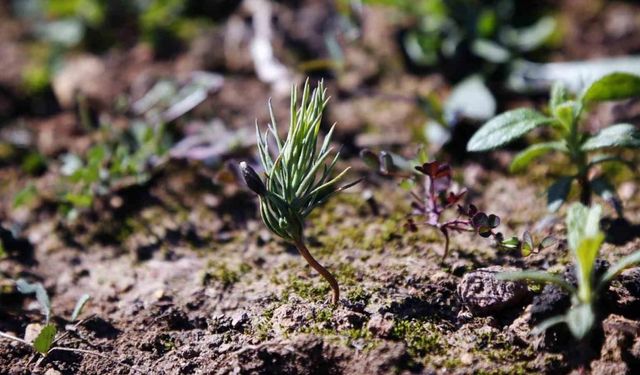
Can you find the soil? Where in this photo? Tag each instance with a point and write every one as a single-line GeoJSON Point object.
{"type": "Point", "coordinates": [184, 278]}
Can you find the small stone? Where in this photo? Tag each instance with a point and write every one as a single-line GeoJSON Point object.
{"type": "Point", "coordinates": [617, 353]}
{"type": "Point", "coordinates": [32, 331]}
{"type": "Point", "coordinates": [626, 292]}
{"type": "Point", "coordinates": [238, 320]}
{"type": "Point", "coordinates": [381, 325]}
{"type": "Point", "coordinates": [347, 319]}
{"type": "Point", "coordinates": [52, 371]}
{"type": "Point", "coordinates": [466, 359]}
{"type": "Point", "coordinates": [484, 294]}
{"type": "Point", "coordinates": [220, 323]}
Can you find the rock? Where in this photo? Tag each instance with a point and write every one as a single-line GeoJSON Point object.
{"type": "Point", "coordinates": [466, 359]}
{"type": "Point", "coordinates": [52, 371]}
{"type": "Point", "coordinates": [290, 317]}
{"type": "Point", "coordinates": [626, 292]}
{"type": "Point", "coordinates": [176, 319]}
{"type": "Point", "coordinates": [381, 325]}
{"type": "Point", "coordinates": [619, 353]}
{"type": "Point", "coordinates": [84, 75]}
{"type": "Point", "coordinates": [220, 323]}
{"type": "Point", "coordinates": [239, 320]}
{"type": "Point", "coordinates": [483, 294]}
{"type": "Point", "coordinates": [32, 331]}
{"type": "Point", "coordinates": [347, 319]}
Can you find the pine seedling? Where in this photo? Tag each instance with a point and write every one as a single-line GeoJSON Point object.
{"type": "Point", "coordinates": [299, 178]}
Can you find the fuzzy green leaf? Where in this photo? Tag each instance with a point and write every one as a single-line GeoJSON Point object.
{"type": "Point", "coordinates": [558, 192]}
{"type": "Point", "coordinates": [619, 135]}
{"type": "Point", "coordinates": [537, 276]}
{"type": "Point", "coordinates": [566, 114]}
{"type": "Point", "coordinates": [559, 95]}
{"type": "Point", "coordinates": [77, 310]}
{"type": "Point", "coordinates": [624, 263]}
{"type": "Point", "coordinates": [614, 86]}
{"type": "Point", "coordinates": [505, 128]}
{"type": "Point", "coordinates": [582, 222]}
{"type": "Point", "coordinates": [524, 158]}
{"type": "Point", "coordinates": [43, 341]}
{"type": "Point", "coordinates": [42, 296]}
{"type": "Point", "coordinates": [604, 189]}
{"type": "Point", "coordinates": [548, 323]}
{"type": "Point", "coordinates": [580, 320]}
{"type": "Point", "coordinates": [586, 255]}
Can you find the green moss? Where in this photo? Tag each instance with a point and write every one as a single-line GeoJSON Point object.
{"type": "Point", "coordinates": [263, 326]}
{"type": "Point", "coordinates": [358, 294]}
{"type": "Point", "coordinates": [306, 289]}
{"type": "Point", "coordinates": [347, 274]}
{"type": "Point", "coordinates": [221, 273]}
{"type": "Point", "coordinates": [452, 363]}
{"type": "Point", "coordinates": [324, 315]}
{"type": "Point", "coordinates": [422, 338]}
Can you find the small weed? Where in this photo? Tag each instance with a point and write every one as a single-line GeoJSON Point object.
{"type": "Point", "coordinates": [584, 238]}
{"type": "Point", "coordinates": [585, 151]}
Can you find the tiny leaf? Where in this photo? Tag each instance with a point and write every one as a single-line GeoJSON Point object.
{"type": "Point", "coordinates": [558, 192]}
{"type": "Point", "coordinates": [547, 241]}
{"type": "Point", "coordinates": [624, 263]}
{"type": "Point", "coordinates": [480, 220]}
{"type": "Point", "coordinates": [386, 163]}
{"type": "Point", "coordinates": [548, 323]}
{"type": "Point", "coordinates": [524, 158]}
{"type": "Point", "coordinates": [505, 128]}
{"type": "Point", "coordinates": [566, 113]}
{"type": "Point", "coordinates": [603, 188]}
{"type": "Point", "coordinates": [614, 86]}
{"type": "Point", "coordinates": [77, 310]}
{"type": "Point", "coordinates": [537, 276]}
{"type": "Point", "coordinates": [494, 221]}
{"type": "Point", "coordinates": [43, 342]}
{"type": "Point", "coordinates": [511, 243]}
{"type": "Point", "coordinates": [527, 239]}
{"type": "Point", "coordinates": [580, 320]}
{"type": "Point", "coordinates": [559, 95]}
{"type": "Point", "coordinates": [619, 135]}
{"type": "Point", "coordinates": [370, 159]}
{"type": "Point", "coordinates": [42, 297]}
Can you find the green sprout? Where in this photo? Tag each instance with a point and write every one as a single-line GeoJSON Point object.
{"type": "Point", "coordinates": [584, 238]}
{"type": "Point", "coordinates": [584, 150]}
{"type": "Point", "coordinates": [300, 177]}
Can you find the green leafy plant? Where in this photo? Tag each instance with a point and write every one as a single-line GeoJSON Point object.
{"type": "Point", "coordinates": [121, 160]}
{"type": "Point", "coordinates": [44, 343]}
{"type": "Point", "coordinates": [495, 31]}
{"type": "Point", "coordinates": [298, 175]}
{"type": "Point", "coordinates": [584, 151]}
{"type": "Point", "coordinates": [584, 238]}
{"type": "Point", "coordinates": [473, 43]}
{"type": "Point", "coordinates": [46, 338]}
{"type": "Point", "coordinates": [435, 201]}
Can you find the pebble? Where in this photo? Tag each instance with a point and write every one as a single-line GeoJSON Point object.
{"type": "Point", "coordinates": [483, 294]}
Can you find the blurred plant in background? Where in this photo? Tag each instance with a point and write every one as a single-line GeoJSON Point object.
{"type": "Point", "coordinates": [121, 160]}
{"type": "Point", "coordinates": [585, 152]}
{"type": "Point", "coordinates": [59, 26]}
{"type": "Point", "coordinates": [475, 44]}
